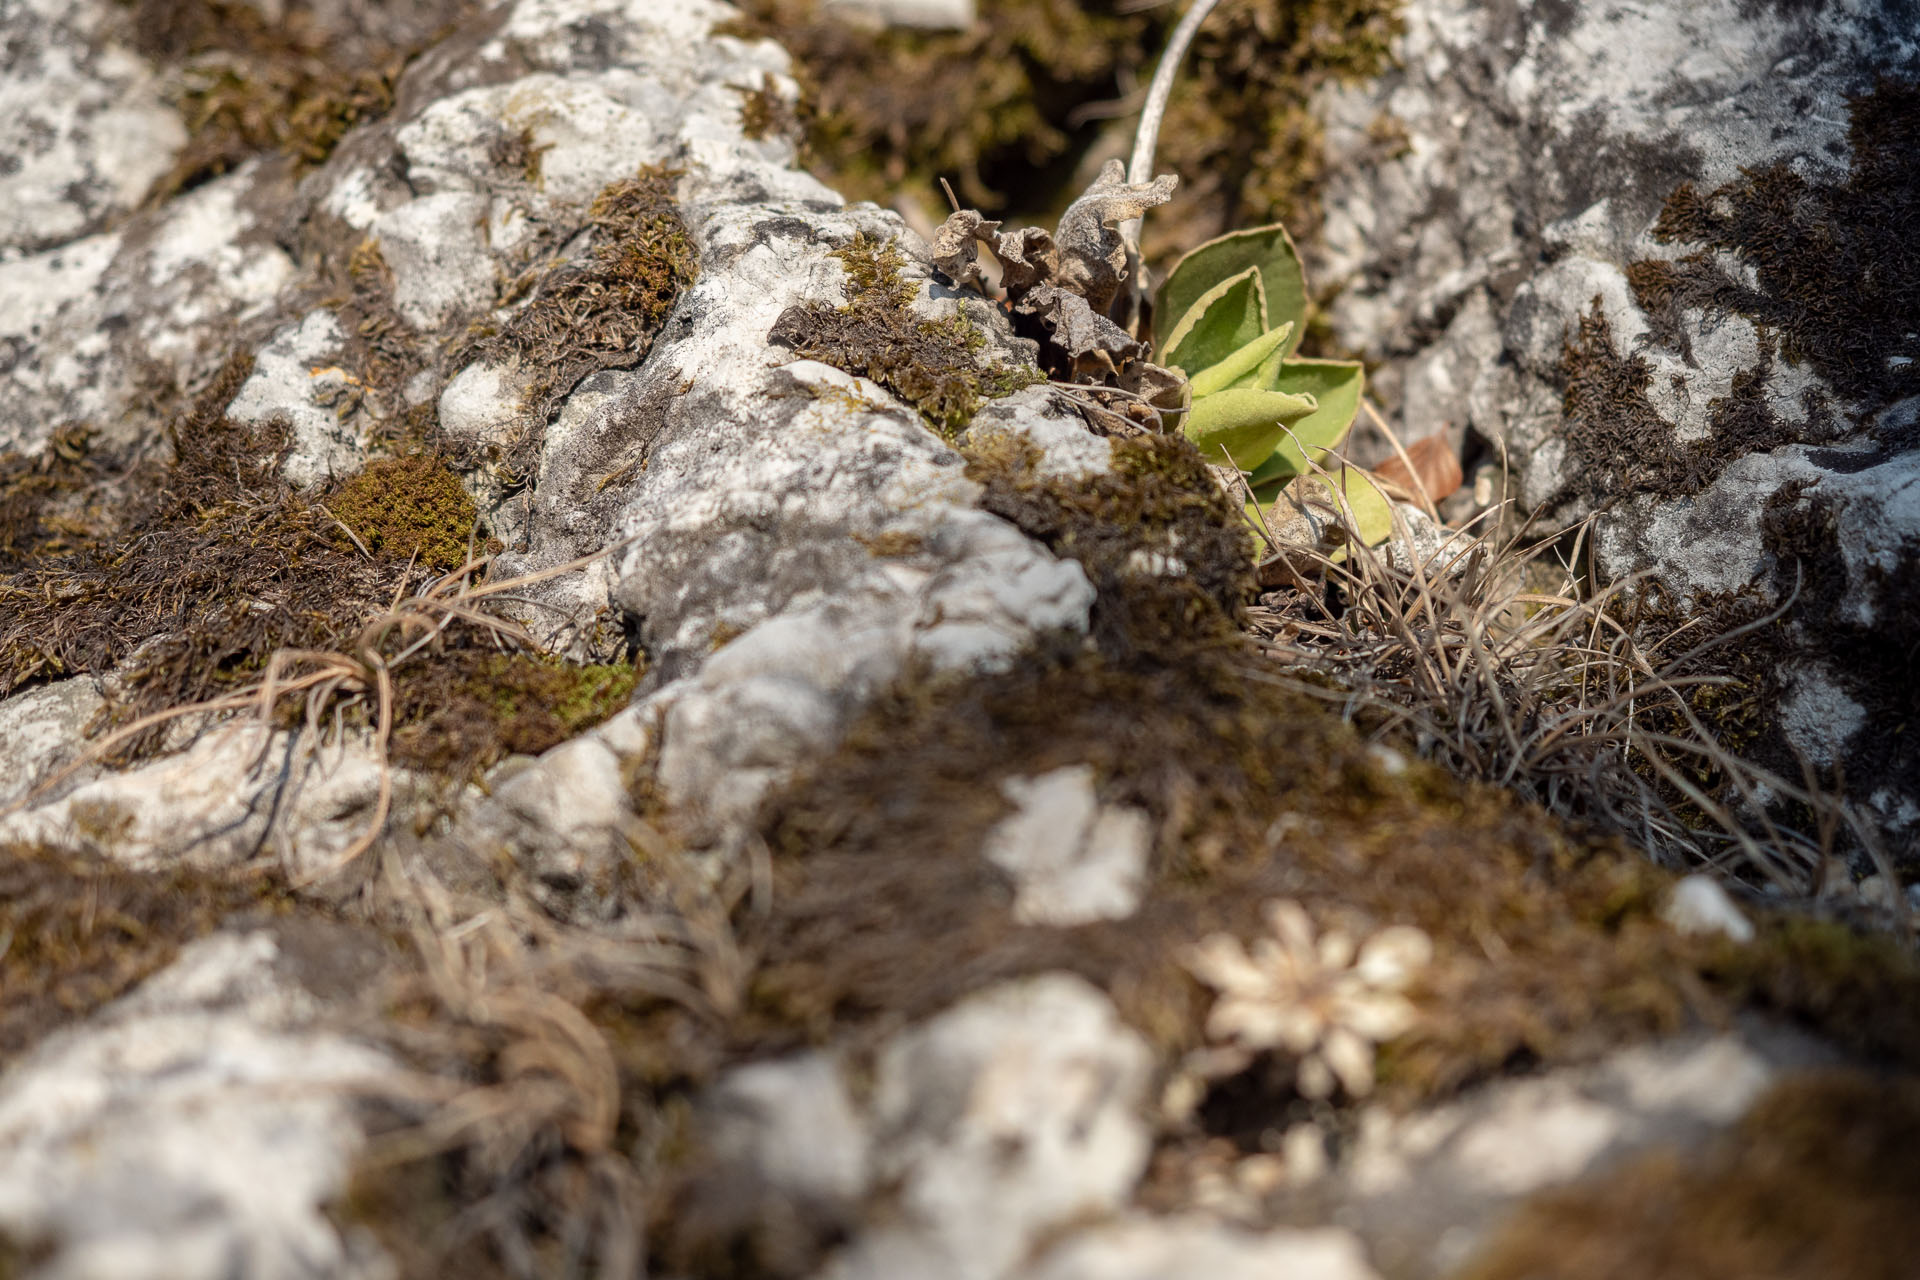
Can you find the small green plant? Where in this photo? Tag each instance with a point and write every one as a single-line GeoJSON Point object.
{"type": "Point", "coordinates": [1233, 310]}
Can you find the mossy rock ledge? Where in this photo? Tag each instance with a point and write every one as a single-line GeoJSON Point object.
{"type": "Point", "coordinates": [874, 849]}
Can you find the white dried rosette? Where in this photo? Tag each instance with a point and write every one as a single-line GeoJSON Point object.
{"type": "Point", "coordinates": [1325, 1000]}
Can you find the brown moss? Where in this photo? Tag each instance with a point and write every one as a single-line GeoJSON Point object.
{"type": "Point", "coordinates": [764, 113]}
{"type": "Point", "coordinates": [933, 365]}
{"type": "Point", "coordinates": [1835, 281]}
{"type": "Point", "coordinates": [407, 507]}
{"type": "Point", "coordinates": [219, 561]}
{"type": "Point", "coordinates": [80, 933]}
{"type": "Point", "coordinates": [468, 709]}
{"type": "Point", "coordinates": [602, 312]}
{"type": "Point", "coordinates": [249, 83]}
{"type": "Point", "coordinates": [48, 502]}
{"type": "Point", "coordinates": [1819, 1180]}
{"type": "Point", "coordinates": [1163, 546]}
{"type": "Point", "coordinates": [1836, 274]}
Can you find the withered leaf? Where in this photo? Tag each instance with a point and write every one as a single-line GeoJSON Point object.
{"type": "Point", "coordinates": [1092, 260]}
{"type": "Point", "coordinates": [1077, 328]}
{"type": "Point", "coordinates": [955, 250]}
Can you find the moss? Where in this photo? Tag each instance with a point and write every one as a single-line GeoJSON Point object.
{"type": "Point", "coordinates": [48, 502]}
{"type": "Point", "coordinates": [1010, 108]}
{"type": "Point", "coordinates": [468, 709]}
{"type": "Point", "coordinates": [407, 507]}
{"type": "Point", "coordinates": [1818, 1180]}
{"type": "Point", "coordinates": [1834, 283]}
{"type": "Point", "coordinates": [933, 365]}
{"type": "Point", "coordinates": [1835, 273]}
{"type": "Point", "coordinates": [1165, 549]}
{"type": "Point", "coordinates": [764, 113]}
{"type": "Point", "coordinates": [250, 83]}
{"type": "Point", "coordinates": [80, 933]}
{"type": "Point", "coordinates": [603, 312]}
{"type": "Point", "coordinates": [217, 559]}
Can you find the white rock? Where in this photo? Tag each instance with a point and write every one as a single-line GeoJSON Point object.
{"type": "Point", "coordinates": [84, 123]}
{"type": "Point", "coordinates": [1139, 1248]}
{"type": "Point", "coordinates": [791, 1122]}
{"type": "Point", "coordinates": [1073, 860]}
{"type": "Point", "coordinates": [1699, 903]}
{"type": "Point", "coordinates": [40, 733]}
{"type": "Point", "coordinates": [195, 1128]}
{"type": "Point", "coordinates": [295, 380]}
{"type": "Point", "coordinates": [1015, 1112]}
{"type": "Point", "coordinates": [213, 804]}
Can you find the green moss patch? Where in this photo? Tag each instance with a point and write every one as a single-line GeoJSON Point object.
{"type": "Point", "coordinates": [409, 507]}
{"type": "Point", "coordinates": [934, 365]}
{"type": "Point", "coordinates": [80, 933]}
{"type": "Point", "coordinates": [468, 709]}
{"type": "Point", "coordinates": [603, 312]}
{"type": "Point", "coordinates": [1818, 1180]}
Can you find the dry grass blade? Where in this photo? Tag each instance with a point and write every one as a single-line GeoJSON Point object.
{"type": "Point", "coordinates": [1496, 659]}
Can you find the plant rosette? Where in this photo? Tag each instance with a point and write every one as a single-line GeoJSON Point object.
{"type": "Point", "coordinates": [1235, 308]}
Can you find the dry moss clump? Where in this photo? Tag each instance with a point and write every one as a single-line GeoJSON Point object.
{"type": "Point", "coordinates": [218, 559]}
{"type": "Point", "coordinates": [249, 83]}
{"type": "Point", "coordinates": [45, 506]}
{"type": "Point", "coordinates": [603, 312]}
{"type": "Point", "coordinates": [80, 933]}
{"type": "Point", "coordinates": [1819, 1180]}
{"type": "Point", "coordinates": [933, 365]}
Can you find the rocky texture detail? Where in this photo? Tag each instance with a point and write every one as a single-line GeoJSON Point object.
{"type": "Point", "coordinates": [87, 130]}
{"type": "Point", "coordinates": [194, 1128]}
{"type": "Point", "coordinates": [850, 947]}
{"type": "Point", "coordinates": [1643, 255]}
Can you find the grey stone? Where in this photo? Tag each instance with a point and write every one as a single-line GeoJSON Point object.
{"type": "Point", "coordinates": [40, 734]}
{"type": "Point", "coordinates": [1699, 903]}
{"type": "Point", "coordinates": [1534, 148]}
{"type": "Point", "coordinates": [1423, 1189]}
{"type": "Point", "coordinates": [194, 1128]}
{"type": "Point", "coordinates": [84, 126]}
{"type": "Point", "coordinates": [1015, 1112]}
{"type": "Point", "coordinates": [1141, 1248]}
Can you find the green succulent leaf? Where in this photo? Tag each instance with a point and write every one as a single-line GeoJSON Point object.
{"type": "Point", "coordinates": [1244, 367]}
{"type": "Point", "coordinates": [1268, 250]}
{"type": "Point", "coordinates": [1247, 422]}
{"type": "Point", "coordinates": [1220, 322]}
{"type": "Point", "coordinates": [1336, 387]}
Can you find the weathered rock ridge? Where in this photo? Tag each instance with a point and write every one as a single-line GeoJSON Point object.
{"type": "Point", "coordinates": [1646, 258]}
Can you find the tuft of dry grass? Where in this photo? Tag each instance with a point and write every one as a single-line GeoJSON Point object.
{"type": "Point", "coordinates": [1499, 656]}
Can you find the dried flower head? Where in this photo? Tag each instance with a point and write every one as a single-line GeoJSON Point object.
{"type": "Point", "coordinates": [1322, 999]}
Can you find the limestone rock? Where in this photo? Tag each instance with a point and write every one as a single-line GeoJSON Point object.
{"type": "Point", "coordinates": [192, 1129]}
{"type": "Point", "coordinates": [1072, 859]}
{"type": "Point", "coordinates": [1503, 220]}
{"type": "Point", "coordinates": [84, 128]}
{"type": "Point", "coordinates": [1017, 1111]}
{"type": "Point", "coordinates": [1170, 1249]}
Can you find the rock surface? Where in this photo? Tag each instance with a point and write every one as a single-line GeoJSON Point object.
{"type": "Point", "coordinates": [788, 543]}
{"type": "Point", "coordinates": [1504, 229]}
